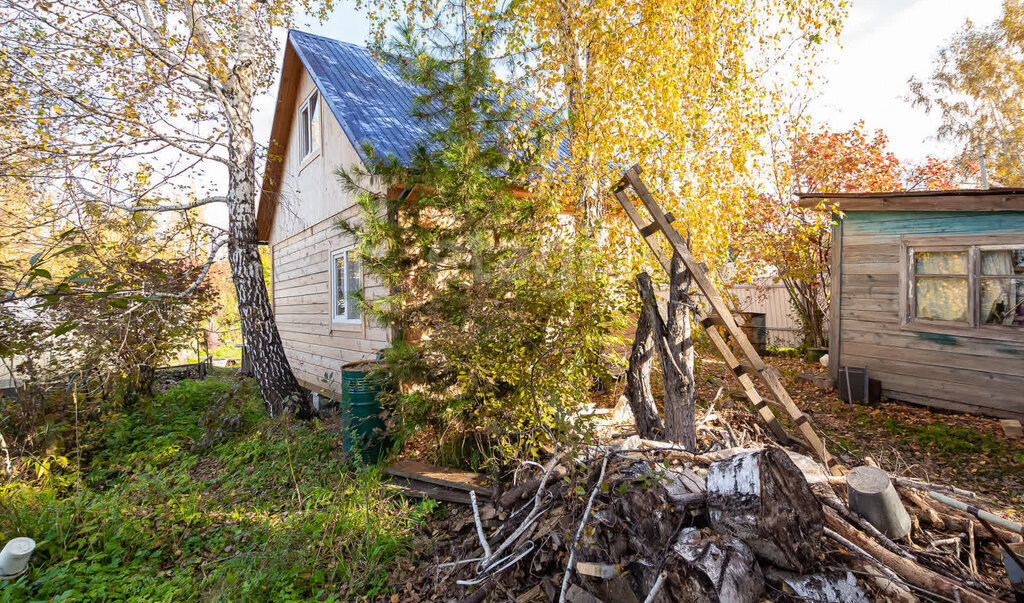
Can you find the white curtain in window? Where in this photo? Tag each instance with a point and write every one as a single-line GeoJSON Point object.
{"type": "Point", "coordinates": [942, 298]}
{"type": "Point", "coordinates": [354, 284]}
{"type": "Point", "coordinates": [999, 297]}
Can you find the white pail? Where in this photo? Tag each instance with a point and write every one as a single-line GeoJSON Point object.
{"type": "Point", "coordinates": [14, 557]}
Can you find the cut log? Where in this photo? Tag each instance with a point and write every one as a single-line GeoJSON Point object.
{"type": "Point", "coordinates": [638, 381]}
{"type": "Point", "coordinates": [705, 567]}
{"type": "Point", "coordinates": [873, 497]}
{"type": "Point", "coordinates": [910, 571]}
{"type": "Point", "coordinates": [761, 498]}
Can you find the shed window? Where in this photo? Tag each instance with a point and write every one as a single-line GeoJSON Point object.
{"type": "Point", "coordinates": [1002, 287]}
{"type": "Point", "coordinates": [969, 285]}
{"type": "Point", "coordinates": [345, 286]}
{"type": "Point", "coordinates": [309, 126]}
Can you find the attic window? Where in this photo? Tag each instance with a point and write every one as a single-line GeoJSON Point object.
{"type": "Point", "coordinates": [309, 126]}
{"type": "Point", "coordinates": [967, 285]}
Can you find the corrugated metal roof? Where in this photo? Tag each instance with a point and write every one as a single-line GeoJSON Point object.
{"type": "Point", "coordinates": [370, 99]}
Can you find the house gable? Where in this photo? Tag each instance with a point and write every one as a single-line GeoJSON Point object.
{"type": "Point", "coordinates": [363, 102]}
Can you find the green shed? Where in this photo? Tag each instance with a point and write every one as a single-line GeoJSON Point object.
{"type": "Point", "coordinates": [928, 294]}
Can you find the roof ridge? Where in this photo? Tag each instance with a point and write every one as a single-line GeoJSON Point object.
{"type": "Point", "coordinates": [334, 40]}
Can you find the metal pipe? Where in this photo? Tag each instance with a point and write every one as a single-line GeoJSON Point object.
{"type": "Point", "coordinates": [980, 514]}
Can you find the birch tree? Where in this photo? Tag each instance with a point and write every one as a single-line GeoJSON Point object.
{"type": "Point", "coordinates": [685, 89]}
{"type": "Point", "coordinates": [147, 102]}
{"type": "Point", "coordinates": [975, 87]}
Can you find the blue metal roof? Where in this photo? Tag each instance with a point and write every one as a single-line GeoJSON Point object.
{"type": "Point", "coordinates": [370, 99]}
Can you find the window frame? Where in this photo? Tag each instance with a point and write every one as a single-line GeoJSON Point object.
{"type": "Point", "coordinates": [335, 318]}
{"type": "Point", "coordinates": [306, 127]}
{"type": "Point", "coordinates": [974, 245]}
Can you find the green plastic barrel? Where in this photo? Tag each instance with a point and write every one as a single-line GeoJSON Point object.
{"type": "Point", "coordinates": [361, 410]}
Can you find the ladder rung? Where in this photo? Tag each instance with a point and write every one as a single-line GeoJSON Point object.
{"type": "Point", "coordinates": [648, 230]}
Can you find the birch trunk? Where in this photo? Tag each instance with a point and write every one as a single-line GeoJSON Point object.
{"type": "Point", "coordinates": [280, 390]}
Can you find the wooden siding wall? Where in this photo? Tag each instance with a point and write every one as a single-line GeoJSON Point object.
{"type": "Point", "coordinates": [302, 238]}
{"type": "Point", "coordinates": [315, 346]}
{"type": "Point", "coordinates": [773, 300]}
{"type": "Point", "coordinates": [957, 372]}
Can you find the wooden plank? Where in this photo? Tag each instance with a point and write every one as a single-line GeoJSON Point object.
{"type": "Point", "coordinates": [418, 489]}
{"type": "Point", "coordinates": [768, 375]}
{"type": "Point", "coordinates": [914, 204]}
{"type": "Point", "coordinates": [980, 397]}
{"type": "Point", "coordinates": [835, 318]}
{"type": "Point", "coordinates": [986, 383]}
{"type": "Point", "coordinates": [1012, 428]}
{"type": "Point", "coordinates": [951, 405]}
{"type": "Point", "coordinates": [442, 476]}
{"type": "Point", "coordinates": [950, 358]}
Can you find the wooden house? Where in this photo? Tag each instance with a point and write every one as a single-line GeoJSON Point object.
{"type": "Point", "coordinates": [928, 294]}
{"type": "Point", "coordinates": [333, 99]}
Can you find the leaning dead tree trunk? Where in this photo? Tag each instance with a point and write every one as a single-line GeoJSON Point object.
{"type": "Point", "coordinates": [638, 381]}
{"type": "Point", "coordinates": [672, 342]}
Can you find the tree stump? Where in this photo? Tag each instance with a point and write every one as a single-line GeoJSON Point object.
{"type": "Point", "coordinates": [761, 498]}
{"type": "Point", "coordinates": [704, 567]}
{"type": "Point", "coordinates": [671, 343]}
{"type": "Point", "coordinates": [638, 381]}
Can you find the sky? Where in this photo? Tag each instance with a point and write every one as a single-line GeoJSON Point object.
{"type": "Point", "coordinates": [884, 44]}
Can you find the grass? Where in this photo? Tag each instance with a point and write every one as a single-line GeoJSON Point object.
{"type": "Point", "coordinates": [194, 495]}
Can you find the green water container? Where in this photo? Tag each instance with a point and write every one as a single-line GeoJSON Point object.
{"type": "Point", "coordinates": [361, 410]}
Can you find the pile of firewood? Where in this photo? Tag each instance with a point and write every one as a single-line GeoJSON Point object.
{"type": "Point", "coordinates": [637, 520]}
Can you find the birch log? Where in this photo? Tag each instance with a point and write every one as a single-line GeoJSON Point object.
{"type": "Point", "coordinates": [761, 498]}
{"type": "Point", "coordinates": [704, 567]}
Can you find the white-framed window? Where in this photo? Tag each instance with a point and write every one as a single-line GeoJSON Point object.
{"type": "Point", "coordinates": [973, 286]}
{"type": "Point", "coordinates": [309, 126]}
{"type": "Point", "coordinates": [346, 283]}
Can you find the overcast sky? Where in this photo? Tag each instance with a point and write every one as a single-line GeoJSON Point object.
{"type": "Point", "coordinates": [884, 43]}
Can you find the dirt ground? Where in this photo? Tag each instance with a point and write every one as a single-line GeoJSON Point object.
{"type": "Point", "coordinates": [967, 451]}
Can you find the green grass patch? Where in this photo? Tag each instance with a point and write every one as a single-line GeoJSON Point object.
{"type": "Point", "coordinates": [194, 495]}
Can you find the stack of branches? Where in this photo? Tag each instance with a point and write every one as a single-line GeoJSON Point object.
{"type": "Point", "coordinates": [641, 520]}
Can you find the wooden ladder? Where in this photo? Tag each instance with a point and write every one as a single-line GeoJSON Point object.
{"type": "Point", "coordinates": [720, 316]}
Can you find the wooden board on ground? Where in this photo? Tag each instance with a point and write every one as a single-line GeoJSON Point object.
{"type": "Point", "coordinates": [1012, 428]}
{"type": "Point", "coordinates": [418, 489]}
{"type": "Point", "coordinates": [455, 479]}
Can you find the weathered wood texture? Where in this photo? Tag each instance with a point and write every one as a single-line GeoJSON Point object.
{"type": "Point", "coordinates": [308, 202]}
{"type": "Point", "coordinates": [638, 381]}
{"type": "Point", "coordinates": [762, 498]}
{"type": "Point", "coordinates": [958, 371]}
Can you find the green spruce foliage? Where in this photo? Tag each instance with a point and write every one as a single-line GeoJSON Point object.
{"type": "Point", "coordinates": [502, 312]}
